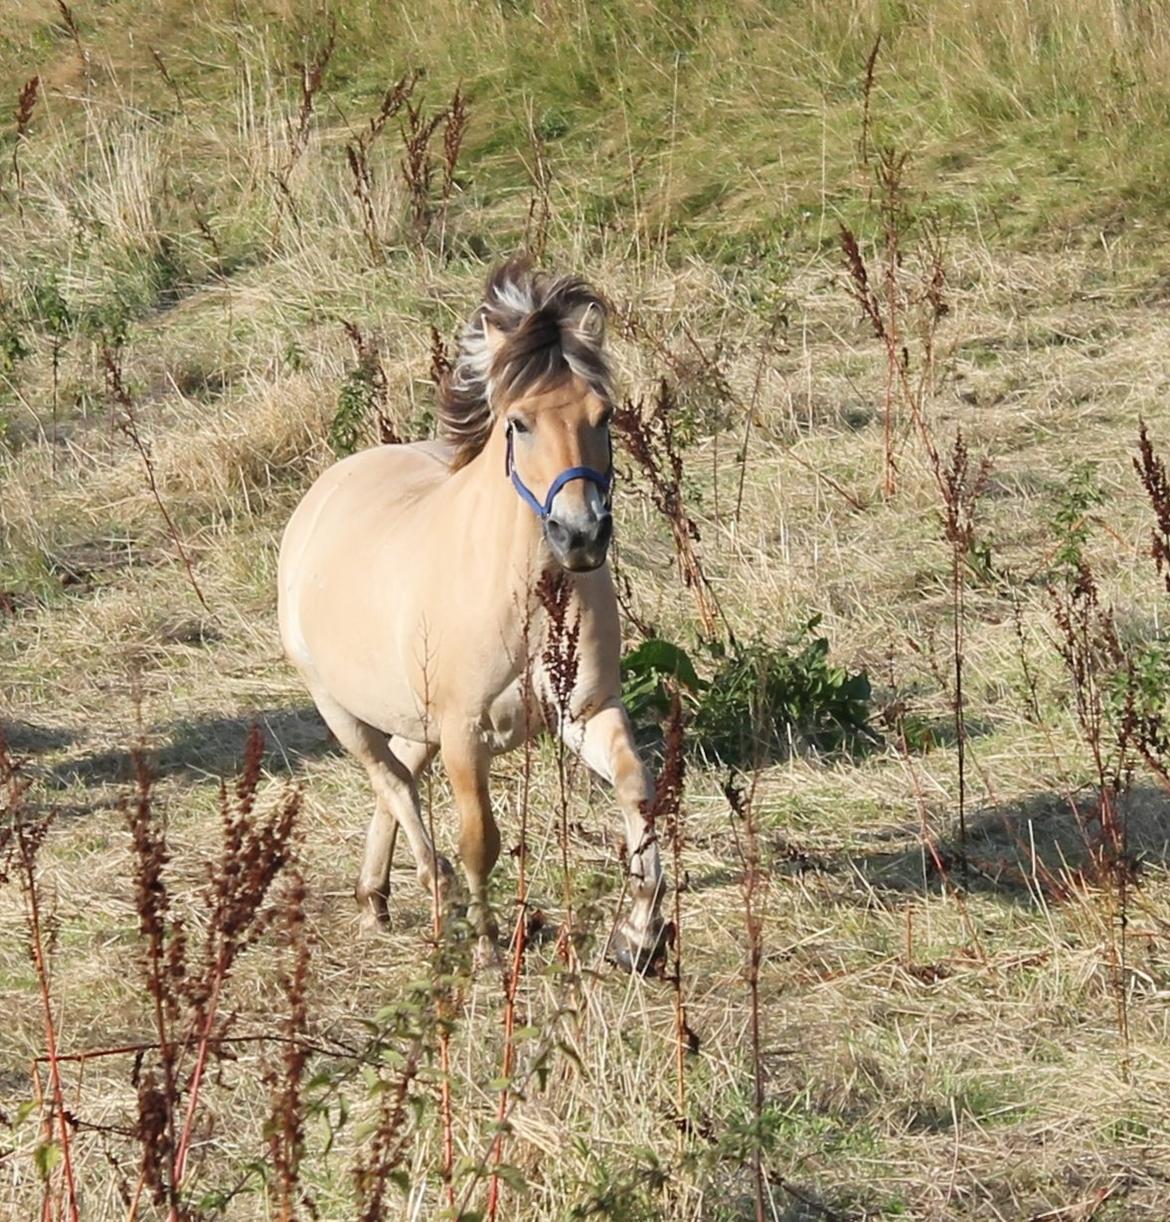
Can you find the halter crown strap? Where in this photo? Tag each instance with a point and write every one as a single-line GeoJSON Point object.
{"type": "Point", "coordinates": [603, 480]}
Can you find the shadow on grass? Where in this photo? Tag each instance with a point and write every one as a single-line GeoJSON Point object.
{"type": "Point", "coordinates": [1018, 850]}
{"type": "Point", "coordinates": [838, 744]}
{"type": "Point", "coordinates": [28, 738]}
{"type": "Point", "coordinates": [207, 747]}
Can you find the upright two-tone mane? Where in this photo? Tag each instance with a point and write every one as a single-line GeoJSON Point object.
{"type": "Point", "coordinates": [530, 331]}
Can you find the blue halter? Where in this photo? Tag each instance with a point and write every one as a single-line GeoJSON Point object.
{"type": "Point", "coordinates": [603, 480]}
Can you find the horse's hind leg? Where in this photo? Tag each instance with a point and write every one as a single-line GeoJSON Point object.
{"type": "Point", "coordinates": [372, 890]}
{"type": "Point", "coordinates": [396, 805]}
{"type": "Point", "coordinates": [373, 885]}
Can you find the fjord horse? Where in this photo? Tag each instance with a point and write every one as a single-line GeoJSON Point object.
{"type": "Point", "coordinates": [407, 594]}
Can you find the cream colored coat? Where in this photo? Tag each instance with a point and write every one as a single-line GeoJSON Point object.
{"type": "Point", "coordinates": [407, 602]}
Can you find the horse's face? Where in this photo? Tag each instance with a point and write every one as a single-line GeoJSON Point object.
{"type": "Point", "coordinates": [553, 431]}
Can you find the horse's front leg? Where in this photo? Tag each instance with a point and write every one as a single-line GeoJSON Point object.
{"type": "Point", "coordinates": [605, 742]}
{"type": "Point", "coordinates": [466, 759]}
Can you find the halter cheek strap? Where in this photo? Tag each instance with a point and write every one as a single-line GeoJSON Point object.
{"type": "Point", "coordinates": [603, 480]}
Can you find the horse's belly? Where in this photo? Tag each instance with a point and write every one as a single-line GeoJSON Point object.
{"type": "Point", "coordinates": [389, 705]}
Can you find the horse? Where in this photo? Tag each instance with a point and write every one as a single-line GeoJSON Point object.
{"type": "Point", "coordinates": [408, 580]}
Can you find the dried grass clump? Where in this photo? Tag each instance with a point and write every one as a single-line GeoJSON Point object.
{"type": "Point", "coordinates": [247, 451]}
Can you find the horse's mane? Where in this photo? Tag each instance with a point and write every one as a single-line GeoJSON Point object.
{"type": "Point", "coordinates": [551, 327]}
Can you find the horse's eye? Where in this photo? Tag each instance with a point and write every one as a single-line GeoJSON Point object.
{"type": "Point", "coordinates": [518, 425]}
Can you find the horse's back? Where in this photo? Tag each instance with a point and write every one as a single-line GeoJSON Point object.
{"type": "Point", "coordinates": [373, 483]}
{"type": "Point", "coordinates": [436, 448]}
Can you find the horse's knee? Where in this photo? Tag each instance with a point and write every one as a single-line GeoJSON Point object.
{"type": "Point", "coordinates": [632, 784]}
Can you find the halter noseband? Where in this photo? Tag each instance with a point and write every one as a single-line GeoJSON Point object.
{"type": "Point", "coordinates": [603, 480]}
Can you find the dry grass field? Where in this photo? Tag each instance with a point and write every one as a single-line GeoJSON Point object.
{"type": "Point", "coordinates": [194, 205]}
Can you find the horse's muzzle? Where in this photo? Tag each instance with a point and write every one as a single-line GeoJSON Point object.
{"type": "Point", "coordinates": [580, 548]}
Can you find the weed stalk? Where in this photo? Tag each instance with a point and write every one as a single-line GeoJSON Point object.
{"type": "Point", "coordinates": [286, 1123]}
{"type": "Point", "coordinates": [1092, 654]}
{"type": "Point", "coordinates": [886, 309]}
{"type": "Point", "coordinates": [357, 153]}
{"type": "Point", "coordinates": [20, 843]}
{"type": "Point", "coordinates": [312, 78]}
{"type": "Point", "coordinates": [866, 96]}
{"type": "Point", "coordinates": [668, 814]}
{"type": "Point", "coordinates": [128, 424]}
{"type": "Point", "coordinates": [650, 438]}
{"type": "Point", "coordinates": [961, 489]}
{"type": "Point", "coordinates": [741, 804]}
{"type": "Point", "coordinates": [25, 105]}
{"type": "Point", "coordinates": [520, 930]}
{"type": "Point", "coordinates": [561, 658]}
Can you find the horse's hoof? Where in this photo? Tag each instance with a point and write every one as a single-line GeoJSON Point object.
{"type": "Point", "coordinates": [636, 957]}
{"type": "Point", "coordinates": [373, 914]}
{"type": "Point", "coordinates": [371, 922]}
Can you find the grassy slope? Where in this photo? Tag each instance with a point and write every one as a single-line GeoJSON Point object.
{"type": "Point", "coordinates": [700, 157]}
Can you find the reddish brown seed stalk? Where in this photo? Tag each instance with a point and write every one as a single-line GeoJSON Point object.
{"type": "Point", "coordinates": [520, 932]}
{"type": "Point", "coordinates": [25, 105]}
{"type": "Point", "coordinates": [21, 839]}
{"type": "Point", "coordinates": [649, 436]}
{"type": "Point", "coordinates": [357, 153]}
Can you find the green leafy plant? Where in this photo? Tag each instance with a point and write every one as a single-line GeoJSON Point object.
{"type": "Point", "coordinates": [56, 319]}
{"type": "Point", "coordinates": [348, 426]}
{"type": "Point", "coordinates": [646, 675]}
{"type": "Point", "coordinates": [13, 342]}
{"type": "Point", "coordinates": [1079, 495]}
{"type": "Point", "coordinates": [13, 350]}
{"type": "Point", "coordinates": [50, 309]}
{"type": "Point", "coordinates": [362, 402]}
{"type": "Point", "coordinates": [107, 323]}
{"type": "Point", "coordinates": [759, 699]}
{"type": "Point", "coordinates": [764, 696]}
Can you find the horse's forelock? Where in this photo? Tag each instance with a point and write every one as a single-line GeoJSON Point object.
{"type": "Point", "coordinates": [545, 329]}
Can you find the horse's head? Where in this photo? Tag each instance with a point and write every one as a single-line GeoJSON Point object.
{"type": "Point", "coordinates": [560, 462]}
{"type": "Point", "coordinates": [532, 366]}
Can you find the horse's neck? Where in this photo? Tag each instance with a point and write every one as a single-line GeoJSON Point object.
{"type": "Point", "coordinates": [508, 537]}
{"type": "Point", "coordinates": [527, 590]}
{"type": "Point", "coordinates": [542, 620]}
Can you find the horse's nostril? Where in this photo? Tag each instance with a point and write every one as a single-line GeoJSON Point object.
{"type": "Point", "coordinates": [558, 535]}
{"type": "Point", "coordinates": [571, 538]}
{"type": "Point", "coordinates": [561, 536]}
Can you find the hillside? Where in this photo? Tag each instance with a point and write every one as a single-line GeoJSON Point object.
{"type": "Point", "coordinates": [228, 247]}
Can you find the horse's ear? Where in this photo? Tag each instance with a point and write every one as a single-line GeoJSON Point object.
{"type": "Point", "coordinates": [493, 336]}
{"type": "Point", "coordinates": [589, 323]}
